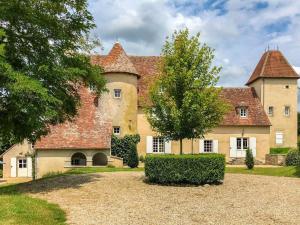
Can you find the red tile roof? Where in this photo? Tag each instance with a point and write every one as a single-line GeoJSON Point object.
{"type": "Point", "coordinates": [244, 97]}
{"type": "Point", "coordinates": [273, 65]}
{"type": "Point", "coordinates": [148, 68]}
{"type": "Point", "coordinates": [89, 130]}
{"type": "Point", "coordinates": [116, 61]}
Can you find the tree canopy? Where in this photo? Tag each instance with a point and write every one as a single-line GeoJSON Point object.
{"type": "Point", "coordinates": [184, 102]}
{"type": "Point", "coordinates": [43, 62]}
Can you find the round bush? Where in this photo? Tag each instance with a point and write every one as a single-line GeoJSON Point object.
{"type": "Point", "coordinates": [191, 169]}
{"type": "Point", "coordinates": [293, 158]}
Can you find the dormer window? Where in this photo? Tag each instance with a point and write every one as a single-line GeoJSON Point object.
{"type": "Point", "coordinates": [243, 112]}
{"type": "Point", "coordinates": [117, 93]}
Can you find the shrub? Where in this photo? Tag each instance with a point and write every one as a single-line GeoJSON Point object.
{"type": "Point", "coordinates": [133, 158]}
{"type": "Point", "coordinates": [142, 158]}
{"type": "Point", "coordinates": [249, 161]}
{"type": "Point", "coordinates": [120, 146]}
{"type": "Point", "coordinates": [279, 150]}
{"type": "Point", "coordinates": [293, 158]}
{"type": "Point", "coordinates": [191, 169]}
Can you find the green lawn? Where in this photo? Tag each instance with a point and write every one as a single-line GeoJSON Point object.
{"type": "Point", "coordinates": [17, 208]}
{"type": "Point", "coordinates": [289, 171]}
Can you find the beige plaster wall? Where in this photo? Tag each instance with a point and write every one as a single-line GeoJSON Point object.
{"type": "Point", "coordinates": [222, 134]}
{"type": "Point", "coordinates": [18, 150]}
{"type": "Point", "coordinates": [122, 111]}
{"type": "Point", "coordinates": [273, 93]}
{"type": "Point", "coordinates": [59, 160]}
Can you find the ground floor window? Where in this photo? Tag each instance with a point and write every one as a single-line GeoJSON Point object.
{"type": "Point", "coordinates": [22, 163]}
{"type": "Point", "coordinates": [242, 143]}
{"type": "Point", "coordinates": [78, 159]}
{"type": "Point", "coordinates": [208, 146]}
{"type": "Point", "coordinates": [158, 144]}
{"type": "Point", "coordinates": [279, 137]}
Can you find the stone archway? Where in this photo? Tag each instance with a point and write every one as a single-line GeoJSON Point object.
{"type": "Point", "coordinates": [78, 159]}
{"type": "Point", "coordinates": [99, 159]}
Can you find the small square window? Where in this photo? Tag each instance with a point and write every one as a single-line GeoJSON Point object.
{"type": "Point", "coordinates": [117, 130]}
{"type": "Point", "coordinates": [287, 86]}
{"type": "Point", "coordinates": [287, 111]}
{"type": "Point", "coordinates": [22, 163]}
{"type": "Point", "coordinates": [243, 112]}
{"type": "Point", "coordinates": [271, 110]}
{"type": "Point", "coordinates": [208, 146]}
{"type": "Point", "coordinates": [117, 93]}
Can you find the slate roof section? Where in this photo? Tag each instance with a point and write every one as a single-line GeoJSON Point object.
{"type": "Point", "coordinates": [272, 64]}
{"type": "Point", "coordinates": [89, 130]}
{"type": "Point", "coordinates": [244, 97]}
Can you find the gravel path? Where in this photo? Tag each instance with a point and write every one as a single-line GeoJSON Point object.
{"type": "Point", "coordinates": [123, 198]}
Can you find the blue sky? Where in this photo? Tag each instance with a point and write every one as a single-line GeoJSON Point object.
{"type": "Point", "coordinates": [238, 30]}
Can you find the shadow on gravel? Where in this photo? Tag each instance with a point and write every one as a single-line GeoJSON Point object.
{"type": "Point", "coordinates": [50, 184]}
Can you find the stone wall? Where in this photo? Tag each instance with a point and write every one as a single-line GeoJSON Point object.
{"type": "Point", "coordinates": [275, 159]}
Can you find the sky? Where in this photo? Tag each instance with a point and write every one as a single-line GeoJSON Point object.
{"type": "Point", "coordinates": [239, 30]}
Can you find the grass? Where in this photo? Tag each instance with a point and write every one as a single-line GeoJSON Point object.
{"type": "Point", "coordinates": [279, 150]}
{"type": "Point", "coordinates": [288, 171]}
{"type": "Point", "coordinates": [18, 208]}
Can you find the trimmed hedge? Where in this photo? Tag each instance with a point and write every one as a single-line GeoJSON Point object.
{"type": "Point", "coordinates": [279, 150]}
{"type": "Point", "coordinates": [190, 169]}
{"type": "Point", "coordinates": [293, 158]}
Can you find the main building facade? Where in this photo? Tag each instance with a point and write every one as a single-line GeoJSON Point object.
{"type": "Point", "coordinates": [263, 115]}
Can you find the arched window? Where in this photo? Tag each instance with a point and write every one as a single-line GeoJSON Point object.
{"type": "Point", "coordinates": [78, 159]}
{"type": "Point", "coordinates": [99, 159]}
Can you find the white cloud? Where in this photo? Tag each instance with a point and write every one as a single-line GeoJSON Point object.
{"type": "Point", "coordinates": [239, 34]}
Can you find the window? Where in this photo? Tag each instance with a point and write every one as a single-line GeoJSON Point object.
{"type": "Point", "coordinates": [22, 163]}
{"type": "Point", "coordinates": [158, 145]}
{"type": "Point", "coordinates": [117, 93]}
{"type": "Point", "coordinates": [242, 143]}
{"type": "Point", "coordinates": [271, 110]}
{"type": "Point", "coordinates": [287, 111]}
{"type": "Point", "coordinates": [243, 112]}
{"type": "Point", "coordinates": [117, 130]}
{"type": "Point", "coordinates": [287, 86]}
{"type": "Point", "coordinates": [208, 146]}
{"type": "Point", "coordinates": [279, 138]}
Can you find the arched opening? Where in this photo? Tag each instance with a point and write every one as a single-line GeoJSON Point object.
{"type": "Point", "coordinates": [99, 159]}
{"type": "Point", "coordinates": [78, 159]}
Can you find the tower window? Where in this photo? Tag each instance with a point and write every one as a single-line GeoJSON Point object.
{"type": "Point", "coordinates": [243, 112]}
{"type": "Point", "coordinates": [287, 111]}
{"type": "Point", "coordinates": [271, 111]}
{"type": "Point", "coordinates": [117, 130]}
{"type": "Point", "coordinates": [287, 86]}
{"type": "Point", "coordinates": [117, 93]}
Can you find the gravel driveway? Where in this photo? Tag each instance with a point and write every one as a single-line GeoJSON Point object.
{"type": "Point", "coordinates": [123, 198]}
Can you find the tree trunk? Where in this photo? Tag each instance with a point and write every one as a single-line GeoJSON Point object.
{"type": "Point", "coordinates": [180, 146]}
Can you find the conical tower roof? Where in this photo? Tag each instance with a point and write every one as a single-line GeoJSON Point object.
{"type": "Point", "coordinates": [273, 64]}
{"type": "Point", "coordinates": [118, 61]}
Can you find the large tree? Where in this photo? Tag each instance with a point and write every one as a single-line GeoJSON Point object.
{"type": "Point", "coordinates": [43, 63]}
{"type": "Point", "coordinates": [184, 102]}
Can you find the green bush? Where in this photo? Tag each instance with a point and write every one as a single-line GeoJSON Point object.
{"type": "Point", "coordinates": [142, 158]}
{"type": "Point", "coordinates": [249, 161]}
{"type": "Point", "coordinates": [121, 146]}
{"type": "Point", "coordinates": [133, 158]}
{"type": "Point", "coordinates": [279, 150]}
{"type": "Point", "coordinates": [293, 158]}
{"type": "Point", "coordinates": [191, 169]}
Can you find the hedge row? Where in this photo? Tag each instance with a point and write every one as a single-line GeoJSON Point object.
{"type": "Point", "coordinates": [293, 158]}
{"type": "Point", "coordinates": [191, 169]}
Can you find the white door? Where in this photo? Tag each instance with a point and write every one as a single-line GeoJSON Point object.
{"type": "Point", "coordinates": [22, 167]}
{"type": "Point", "coordinates": [241, 146]}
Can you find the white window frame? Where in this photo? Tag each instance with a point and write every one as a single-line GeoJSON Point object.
{"type": "Point", "coordinates": [208, 146]}
{"type": "Point", "coordinates": [287, 111]}
{"type": "Point", "coordinates": [242, 146]}
{"type": "Point", "coordinates": [158, 145]}
{"type": "Point", "coordinates": [243, 112]}
{"type": "Point", "coordinates": [279, 138]}
{"type": "Point", "coordinates": [271, 110]}
{"type": "Point", "coordinates": [22, 163]}
{"type": "Point", "coordinates": [117, 93]}
{"type": "Point", "coordinates": [115, 129]}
